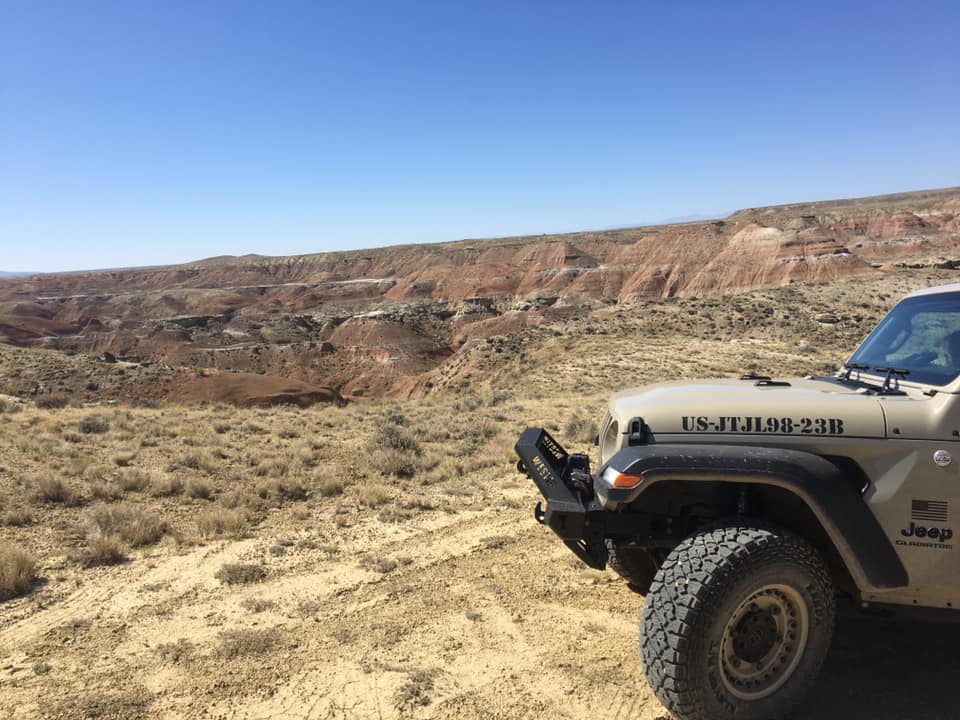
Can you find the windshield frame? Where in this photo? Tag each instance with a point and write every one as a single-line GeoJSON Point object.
{"type": "Point", "coordinates": [873, 375]}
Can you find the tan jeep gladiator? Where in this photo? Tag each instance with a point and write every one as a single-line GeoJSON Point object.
{"type": "Point", "coordinates": [743, 508]}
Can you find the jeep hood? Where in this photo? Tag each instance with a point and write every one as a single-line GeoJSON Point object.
{"type": "Point", "coordinates": [816, 407]}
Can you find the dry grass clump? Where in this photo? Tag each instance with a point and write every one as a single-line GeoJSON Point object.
{"type": "Point", "coordinates": [53, 401]}
{"type": "Point", "coordinates": [222, 522]}
{"type": "Point", "coordinates": [17, 571]}
{"type": "Point", "coordinates": [49, 489]}
{"type": "Point", "coordinates": [103, 550]}
{"type": "Point", "coordinates": [241, 642]}
{"type": "Point", "coordinates": [133, 525]}
{"type": "Point", "coordinates": [240, 573]}
{"type": "Point", "coordinates": [93, 425]}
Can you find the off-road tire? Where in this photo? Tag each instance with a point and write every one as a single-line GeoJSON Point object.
{"type": "Point", "coordinates": [634, 564]}
{"type": "Point", "coordinates": [715, 579]}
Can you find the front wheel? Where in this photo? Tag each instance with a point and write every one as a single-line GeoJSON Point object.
{"type": "Point", "coordinates": [737, 624]}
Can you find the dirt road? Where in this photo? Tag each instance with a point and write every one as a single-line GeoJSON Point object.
{"type": "Point", "coordinates": [484, 616]}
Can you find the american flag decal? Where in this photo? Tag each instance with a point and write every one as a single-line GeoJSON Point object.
{"type": "Point", "coordinates": [929, 510]}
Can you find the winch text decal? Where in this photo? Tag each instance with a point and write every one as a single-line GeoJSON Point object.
{"type": "Point", "coordinates": [759, 424]}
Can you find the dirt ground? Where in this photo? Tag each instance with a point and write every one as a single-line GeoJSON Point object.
{"type": "Point", "coordinates": [350, 577]}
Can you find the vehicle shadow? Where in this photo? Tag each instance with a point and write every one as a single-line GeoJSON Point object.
{"type": "Point", "coordinates": [889, 669]}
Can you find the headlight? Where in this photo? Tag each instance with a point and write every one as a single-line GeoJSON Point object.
{"type": "Point", "coordinates": [616, 479]}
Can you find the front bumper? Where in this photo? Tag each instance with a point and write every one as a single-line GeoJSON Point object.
{"type": "Point", "coordinates": [572, 511]}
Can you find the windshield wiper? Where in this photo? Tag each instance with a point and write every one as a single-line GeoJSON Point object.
{"type": "Point", "coordinates": [890, 371]}
{"type": "Point", "coordinates": [850, 367]}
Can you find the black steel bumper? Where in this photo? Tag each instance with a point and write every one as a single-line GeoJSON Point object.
{"type": "Point", "coordinates": [564, 480]}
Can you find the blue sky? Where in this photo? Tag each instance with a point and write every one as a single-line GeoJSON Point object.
{"type": "Point", "coordinates": [138, 132]}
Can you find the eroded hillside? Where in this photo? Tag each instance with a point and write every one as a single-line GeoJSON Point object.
{"type": "Point", "coordinates": [387, 321]}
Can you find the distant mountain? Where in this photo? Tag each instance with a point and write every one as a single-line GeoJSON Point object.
{"type": "Point", "coordinates": [696, 217]}
{"type": "Point", "coordinates": [15, 274]}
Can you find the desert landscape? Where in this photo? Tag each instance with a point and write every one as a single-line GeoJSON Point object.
{"type": "Point", "coordinates": [255, 487]}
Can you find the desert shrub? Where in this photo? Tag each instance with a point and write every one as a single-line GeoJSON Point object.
{"type": "Point", "coordinates": [248, 641]}
{"type": "Point", "coordinates": [165, 486]}
{"type": "Point", "coordinates": [415, 692]}
{"type": "Point", "coordinates": [240, 573]}
{"type": "Point", "coordinates": [105, 491]}
{"type": "Point", "coordinates": [93, 425]}
{"type": "Point", "coordinates": [124, 459]}
{"type": "Point", "coordinates": [133, 525]}
{"type": "Point", "coordinates": [330, 486]}
{"type": "Point", "coordinates": [220, 521]}
{"type": "Point", "coordinates": [273, 467]}
{"type": "Point", "coordinates": [292, 490]}
{"type": "Point", "coordinates": [257, 605]}
{"type": "Point", "coordinates": [18, 517]}
{"type": "Point", "coordinates": [199, 489]}
{"type": "Point", "coordinates": [17, 571]}
{"type": "Point", "coordinates": [374, 495]}
{"type": "Point", "coordinates": [498, 397]}
{"type": "Point", "coordinates": [10, 406]}
{"type": "Point", "coordinates": [103, 550]}
{"type": "Point", "coordinates": [487, 429]}
{"type": "Point", "coordinates": [393, 514]}
{"type": "Point", "coordinates": [174, 652]}
{"type": "Point", "coordinates": [53, 401]}
{"type": "Point", "coordinates": [198, 460]}
{"type": "Point", "coordinates": [97, 473]}
{"type": "Point", "coordinates": [49, 489]}
{"type": "Point", "coordinates": [131, 703]}
{"type": "Point", "coordinates": [399, 463]}
{"type": "Point", "coordinates": [378, 564]}
{"type": "Point", "coordinates": [580, 429]}
{"type": "Point", "coordinates": [134, 479]}
{"type": "Point", "coordinates": [397, 437]}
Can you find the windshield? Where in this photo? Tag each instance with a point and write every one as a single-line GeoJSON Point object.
{"type": "Point", "coordinates": [921, 335]}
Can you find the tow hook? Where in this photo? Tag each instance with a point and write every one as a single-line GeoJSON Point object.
{"type": "Point", "coordinates": [539, 514]}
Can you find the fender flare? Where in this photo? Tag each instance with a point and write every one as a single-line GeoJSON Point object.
{"type": "Point", "coordinates": [866, 551]}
